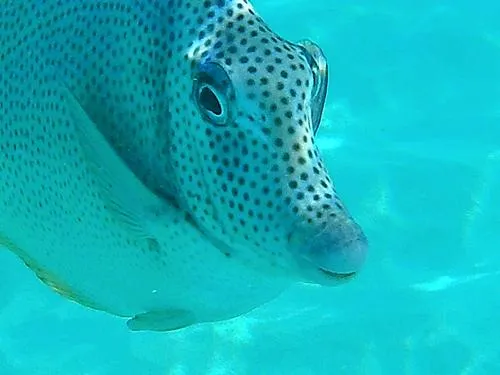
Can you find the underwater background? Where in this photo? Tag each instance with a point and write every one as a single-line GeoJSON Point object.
{"type": "Point", "coordinates": [411, 136]}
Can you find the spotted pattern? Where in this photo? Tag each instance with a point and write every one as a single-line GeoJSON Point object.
{"type": "Point", "coordinates": [212, 110]}
{"type": "Point", "coordinates": [249, 168]}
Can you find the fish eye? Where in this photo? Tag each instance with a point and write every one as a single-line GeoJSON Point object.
{"type": "Point", "coordinates": [211, 92]}
{"type": "Point", "coordinates": [211, 104]}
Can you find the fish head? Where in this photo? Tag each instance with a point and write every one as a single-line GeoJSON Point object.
{"type": "Point", "coordinates": [248, 171]}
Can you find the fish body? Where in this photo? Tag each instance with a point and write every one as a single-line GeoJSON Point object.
{"type": "Point", "coordinates": [158, 158]}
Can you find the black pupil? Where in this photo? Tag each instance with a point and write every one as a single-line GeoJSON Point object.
{"type": "Point", "coordinates": [209, 101]}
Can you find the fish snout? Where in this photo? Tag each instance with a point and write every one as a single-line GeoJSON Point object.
{"type": "Point", "coordinates": [332, 254]}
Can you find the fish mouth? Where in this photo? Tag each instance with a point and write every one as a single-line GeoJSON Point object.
{"type": "Point", "coordinates": [332, 256]}
{"type": "Point", "coordinates": [324, 275]}
{"type": "Point", "coordinates": [337, 275]}
{"type": "Point", "coordinates": [321, 276]}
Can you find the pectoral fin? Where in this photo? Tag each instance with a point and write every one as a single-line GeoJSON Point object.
{"type": "Point", "coordinates": [126, 196]}
{"type": "Point", "coordinates": [162, 321]}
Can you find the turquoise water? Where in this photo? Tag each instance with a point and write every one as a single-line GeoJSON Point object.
{"type": "Point", "coordinates": [412, 138]}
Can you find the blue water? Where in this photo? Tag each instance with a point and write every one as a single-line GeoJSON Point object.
{"type": "Point", "coordinates": [411, 136]}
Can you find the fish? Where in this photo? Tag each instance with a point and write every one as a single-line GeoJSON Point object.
{"type": "Point", "coordinates": [158, 158]}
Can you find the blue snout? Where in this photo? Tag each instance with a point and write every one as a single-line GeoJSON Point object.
{"type": "Point", "coordinates": [335, 252]}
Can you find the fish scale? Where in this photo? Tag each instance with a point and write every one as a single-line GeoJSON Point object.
{"type": "Point", "coordinates": [158, 158]}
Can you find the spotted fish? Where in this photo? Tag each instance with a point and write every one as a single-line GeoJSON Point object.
{"type": "Point", "coordinates": [158, 158]}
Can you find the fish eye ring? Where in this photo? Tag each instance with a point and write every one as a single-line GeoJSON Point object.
{"type": "Point", "coordinates": [212, 91]}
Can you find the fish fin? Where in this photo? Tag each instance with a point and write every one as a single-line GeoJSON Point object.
{"type": "Point", "coordinates": [60, 287]}
{"type": "Point", "coordinates": [5, 242]}
{"type": "Point", "coordinates": [48, 278]}
{"type": "Point", "coordinates": [161, 321]}
{"type": "Point", "coordinates": [125, 195]}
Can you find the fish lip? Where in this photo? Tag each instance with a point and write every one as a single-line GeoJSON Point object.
{"type": "Point", "coordinates": [324, 276]}
{"type": "Point", "coordinates": [327, 267]}
{"type": "Point", "coordinates": [338, 275]}
{"type": "Point", "coordinates": [314, 274]}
